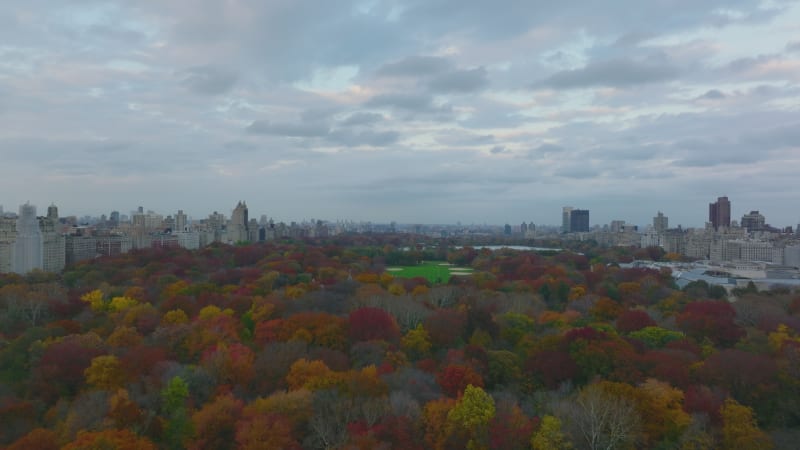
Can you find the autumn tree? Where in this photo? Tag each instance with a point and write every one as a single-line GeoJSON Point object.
{"type": "Point", "coordinates": [473, 412]}
{"type": "Point", "coordinates": [550, 436]}
{"type": "Point", "coordinates": [366, 324]}
{"type": "Point", "coordinates": [600, 419]}
{"type": "Point", "coordinates": [215, 423]}
{"type": "Point", "coordinates": [178, 427]}
{"type": "Point", "coordinates": [39, 439]}
{"type": "Point", "coordinates": [740, 430]}
{"type": "Point", "coordinates": [109, 439]}
{"type": "Point", "coordinates": [455, 378]}
{"type": "Point", "coordinates": [711, 319]}
{"type": "Point", "coordinates": [105, 372]}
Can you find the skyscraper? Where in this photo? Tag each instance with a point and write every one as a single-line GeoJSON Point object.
{"type": "Point", "coordinates": [52, 212]}
{"type": "Point", "coordinates": [754, 221]}
{"type": "Point", "coordinates": [180, 221]}
{"type": "Point", "coordinates": [237, 229]}
{"type": "Point", "coordinates": [29, 246]}
{"type": "Point", "coordinates": [719, 213]}
{"type": "Point", "coordinates": [660, 222]}
{"type": "Point", "coordinates": [566, 213]}
{"type": "Point", "coordinates": [579, 220]}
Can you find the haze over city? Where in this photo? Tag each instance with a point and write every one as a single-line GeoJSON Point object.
{"type": "Point", "coordinates": [415, 112]}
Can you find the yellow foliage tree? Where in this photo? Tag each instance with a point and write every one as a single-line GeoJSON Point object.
{"type": "Point", "coordinates": [550, 436]}
{"type": "Point", "coordinates": [739, 430]}
{"type": "Point", "coordinates": [105, 372]}
{"type": "Point", "coordinates": [95, 300]}
{"type": "Point", "coordinates": [472, 414]}
{"type": "Point", "coordinates": [121, 304]}
{"type": "Point", "coordinates": [417, 342]}
{"type": "Point", "coordinates": [174, 317]}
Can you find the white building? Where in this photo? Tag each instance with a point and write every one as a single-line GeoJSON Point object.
{"type": "Point", "coordinates": [28, 247]}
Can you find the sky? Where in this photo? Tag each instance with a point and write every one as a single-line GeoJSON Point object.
{"type": "Point", "coordinates": [419, 111]}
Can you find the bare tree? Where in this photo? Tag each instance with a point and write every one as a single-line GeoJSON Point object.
{"type": "Point", "coordinates": [601, 420]}
{"type": "Point", "coordinates": [328, 426]}
{"type": "Point", "coordinates": [30, 303]}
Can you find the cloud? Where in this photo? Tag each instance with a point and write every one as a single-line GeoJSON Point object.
{"type": "Point", "coordinates": [545, 150]}
{"type": "Point", "coordinates": [415, 66]}
{"type": "Point", "coordinates": [461, 81]}
{"type": "Point", "coordinates": [712, 94]}
{"type": "Point", "coordinates": [363, 138]}
{"type": "Point", "coordinates": [208, 80]}
{"type": "Point", "coordinates": [362, 119]}
{"type": "Point", "coordinates": [793, 46]}
{"type": "Point", "coordinates": [463, 138]}
{"type": "Point", "coordinates": [414, 104]}
{"type": "Point", "coordinates": [298, 130]}
{"type": "Point", "coordinates": [618, 73]}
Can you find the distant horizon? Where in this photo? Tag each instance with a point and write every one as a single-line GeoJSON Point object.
{"type": "Point", "coordinates": [254, 214]}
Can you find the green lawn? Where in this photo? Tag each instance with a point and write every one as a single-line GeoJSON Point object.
{"type": "Point", "coordinates": [435, 271]}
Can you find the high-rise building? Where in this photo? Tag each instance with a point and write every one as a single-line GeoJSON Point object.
{"type": "Point", "coordinates": [28, 247]}
{"type": "Point", "coordinates": [52, 212]}
{"type": "Point", "coordinates": [719, 213]}
{"type": "Point", "coordinates": [237, 228]}
{"type": "Point", "coordinates": [113, 219]}
{"type": "Point", "coordinates": [753, 221]}
{"type": "Point", "coordinates": [566, 213]}
{"type": "Point", "coordinates": [53, 243]}
{"type": "Point", "coordinates": [180, 221]}
{"type": "Point", "coordinates": [660, 222]}
{"type": "Point", "coordinates": [8, 235]}
{"type": "Point", "coordinates": [579, 220]}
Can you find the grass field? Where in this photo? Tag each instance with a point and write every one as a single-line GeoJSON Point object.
{"type": "Point", "coordinates": [435, 271]}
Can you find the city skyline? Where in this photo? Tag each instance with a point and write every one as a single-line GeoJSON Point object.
{"type": "Point", "coordinates": [557, 220]}
{"type": "Point", "coordinates": [414, 112]}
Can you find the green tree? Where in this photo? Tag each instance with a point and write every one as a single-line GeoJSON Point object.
{"type": "Point", "coordinates": [179, 427]}
{"type": "Point", "coordinates": [550, 436]}
{"type": "Point", "coordinates": [473, 412]}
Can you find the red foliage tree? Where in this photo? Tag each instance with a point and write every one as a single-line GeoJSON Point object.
{"type": "Point", "coordinates": [701, 399]}
{"type": "Point", "coordinates": [39, 439]}
{"type": "Point", "coordinates": [633, 320]}
{"type": "Point", "coordinates": [369, 324]}
{"type": "Point", "coordinates": [551, 367]}
{"type": "Point", "coordinates": [60, 370]}
{"type": "Point", "coordinates": [445, 327]}
{"type": "Point", "coordinates": [713, 319]}
{"type": "Point", "coordinates": [453, 379]}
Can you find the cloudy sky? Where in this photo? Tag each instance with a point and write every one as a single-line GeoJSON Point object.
{"type": "Point", "coordinates": [419, 111]}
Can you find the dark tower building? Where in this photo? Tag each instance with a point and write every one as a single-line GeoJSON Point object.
{"type": "Point", "coordinates": [719, 213]}
{"type": "Point", "coordinates": [579, 220]}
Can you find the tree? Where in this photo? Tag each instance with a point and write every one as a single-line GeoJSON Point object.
{"type": "Point", "coordinates": [601, 419]}
{"type": "Point", "coordinates": [455, 378]}
{"type": "Point", "coordinates": [327, 428]}
{"type": "Point", "coordinates": [634, 320]}
{"type": "Point", "coordinates": [368, 324]}
{"type": "Point", "coordinates": [109, 439]}
{"type": "Point", "coordinates": [265, 431]}
{"type": "Point", "coordinates": [178, 427]}
{"type": "Point", "coordinates": [39, 439]}
{"type": "Point", "coordinates": [215, 423]}
{"type": "Point", "coordinates": [417, 342]}
{"type": "Point", "coordinates": [740, 430]}
{"type": "Point", "coordinates": [549, 436]}
{"type": "Point", "coordinates": [712, 319]}
{"type": "Point", "coordinates": [472, 413]}
{"type": "Point", "coordinates": [105, 372]}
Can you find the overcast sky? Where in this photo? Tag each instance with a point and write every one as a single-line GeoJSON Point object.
{"type": "Point", "coordinates": [424, 111]}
